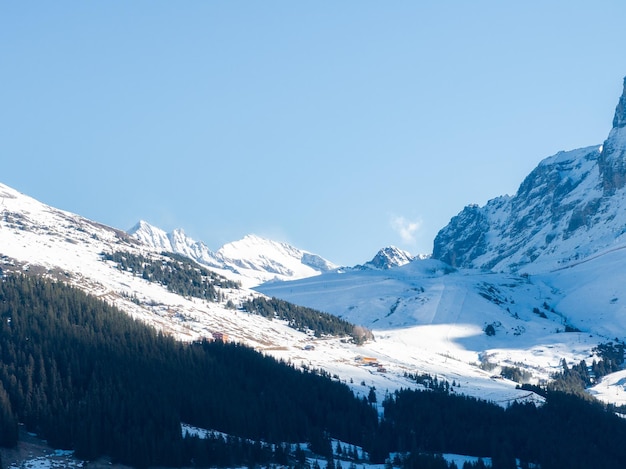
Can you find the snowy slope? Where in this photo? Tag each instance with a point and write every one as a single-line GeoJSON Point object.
{"type": "Point", "coordinates": [435, 317]}
{"type": "Point", "coordinates": [42, 239]}
{"type": "Point", "coordinates": [546, 261]}
{"type": "Point", "coordinates": [251, 260]}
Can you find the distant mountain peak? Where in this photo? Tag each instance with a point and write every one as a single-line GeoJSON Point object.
{"type": "Point", "coordinates": [252, 259]}
{"type": "Point", "coordinates": [389, 257]}
{"type": "Point", "coordinates": [386, 258]}
{"type": "Point", "coordinates": [151, 235]}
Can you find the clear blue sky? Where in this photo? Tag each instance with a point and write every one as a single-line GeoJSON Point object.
{"type": "Point", "coordinates": [340, 127]}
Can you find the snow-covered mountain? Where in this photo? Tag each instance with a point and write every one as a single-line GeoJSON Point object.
{"type": "Point", "coordinates": [572, 206]}
{"type": "Point", "coordinates": [46, 241]}
{"type": "Point", "coordinates": [40, 239]}
{"type": "Point", "coordinates": [388, 258]}
{"type": "Point", "coordinates": [252, 260]}
{"type": "Point", "coordinates": [542, 271]}
{"type": "Point", "coordinates": [434, 317]}
{"type": "Point", "coordinates": [544, 268]}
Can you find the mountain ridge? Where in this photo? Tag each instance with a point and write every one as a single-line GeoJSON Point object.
{"type": "Point", "coordinates": [252, 259]}
{"type": "Point", "coordinates": [567, 208]}
{"type": "Point", "coordinates": [256, 260]}
{"type": "Point", "coordinates": [560, 240]}
{"type": "Point", "coordinates": [42, 240]}
{"type": "Point", "coordinates": [503, 298]}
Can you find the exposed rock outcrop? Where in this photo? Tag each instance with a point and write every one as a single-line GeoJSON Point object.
{"type": "Point", "coordinates": [569, 207]}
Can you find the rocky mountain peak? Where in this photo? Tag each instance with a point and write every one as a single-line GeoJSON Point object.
{"type": "Point", "coordinates": [619, 120]}
{"type": "Point", "coordinates": [463, 239]}
{"type": "Point", "coordinates": [570, 207]}
{"type": "Point", "coordinates": [612, 161]}
{"type": "Point", "coordinates": [151, 235]}
{"type": "Point", "coordinates": [251, 260]}
{"type": "Point", "coordinates": [389, 257]}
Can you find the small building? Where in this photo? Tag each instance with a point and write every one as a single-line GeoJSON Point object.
{"type": "Point", "coordinates": [222, 337]}
{"type": "Point", "coordinates": [367, 361]}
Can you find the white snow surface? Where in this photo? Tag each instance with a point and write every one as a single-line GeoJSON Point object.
{"type": "Point", "coordinates": [426, 317]}
{"type": "Point", "coordinates": [36, 237]}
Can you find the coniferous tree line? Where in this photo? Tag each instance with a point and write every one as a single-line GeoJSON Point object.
{"type": "Point", "coordinates": [418, 460]}
{"type": "Point", "coordinates": [565, 432]}
{"type": "Point", "coordinates": [178, 274]}
{"type": "Point", "coordinates": [305, 319]}
{"type": "Point", "coordinates": [431, 382]}
{"type": "Point", "coordinates": [215, 450]}
{"type": "Point", "coordinates": [84, 375]}
{"type": "Point", "coordinates": [575, 379]}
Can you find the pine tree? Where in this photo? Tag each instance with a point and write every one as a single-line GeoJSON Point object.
{"type": "Point", "coordinates": [371, 397]}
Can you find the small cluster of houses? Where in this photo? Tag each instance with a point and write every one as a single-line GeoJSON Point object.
{"type": "Point", "coordinates": [370, 361]}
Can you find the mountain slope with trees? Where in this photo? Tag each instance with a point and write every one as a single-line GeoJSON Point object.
{"type": "Point", "coordinates": [86, 376]}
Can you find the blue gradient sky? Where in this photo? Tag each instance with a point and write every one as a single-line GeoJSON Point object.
{"type": "Point", "coordinates": [339, 127]}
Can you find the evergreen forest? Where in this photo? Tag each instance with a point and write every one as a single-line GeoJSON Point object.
{"type": "Point", "coordinates": [177, 273]}
{"type": "Point", "coordinates": [305, 319]}
{"type": "Point", "coordinates": [86, 376]}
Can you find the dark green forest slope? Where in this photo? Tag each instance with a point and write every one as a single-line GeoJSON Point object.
{"type": "Point", "coordinates": [84, 375]}
{"type": "Point", "coordinates": [565, 432]}
{"type": "Point", "coordinates": [304, 319]}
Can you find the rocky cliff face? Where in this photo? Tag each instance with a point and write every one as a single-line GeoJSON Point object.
{"type": "Point", "coordinates": [612, 161]}
{"type": "Point", "coordinates": [464, 239]}
{"type": "Point", "coordinates": [568, 208]}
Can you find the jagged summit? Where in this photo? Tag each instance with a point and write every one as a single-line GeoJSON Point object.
{"type": "Point", "coordinates": [176, 241]}
{"type": "Point", "coordinates": [619, 120]}
{"type": "Point", "coordinates": [251, 260]}
{"type": "Point", "coordinates": [151, 235]}
{"type": "Point", "coordinates": [389, 257]}
{"type": "Point", "coordinates": [612, 161]}
{"type": "Point", "coordinates": [570, 207]}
